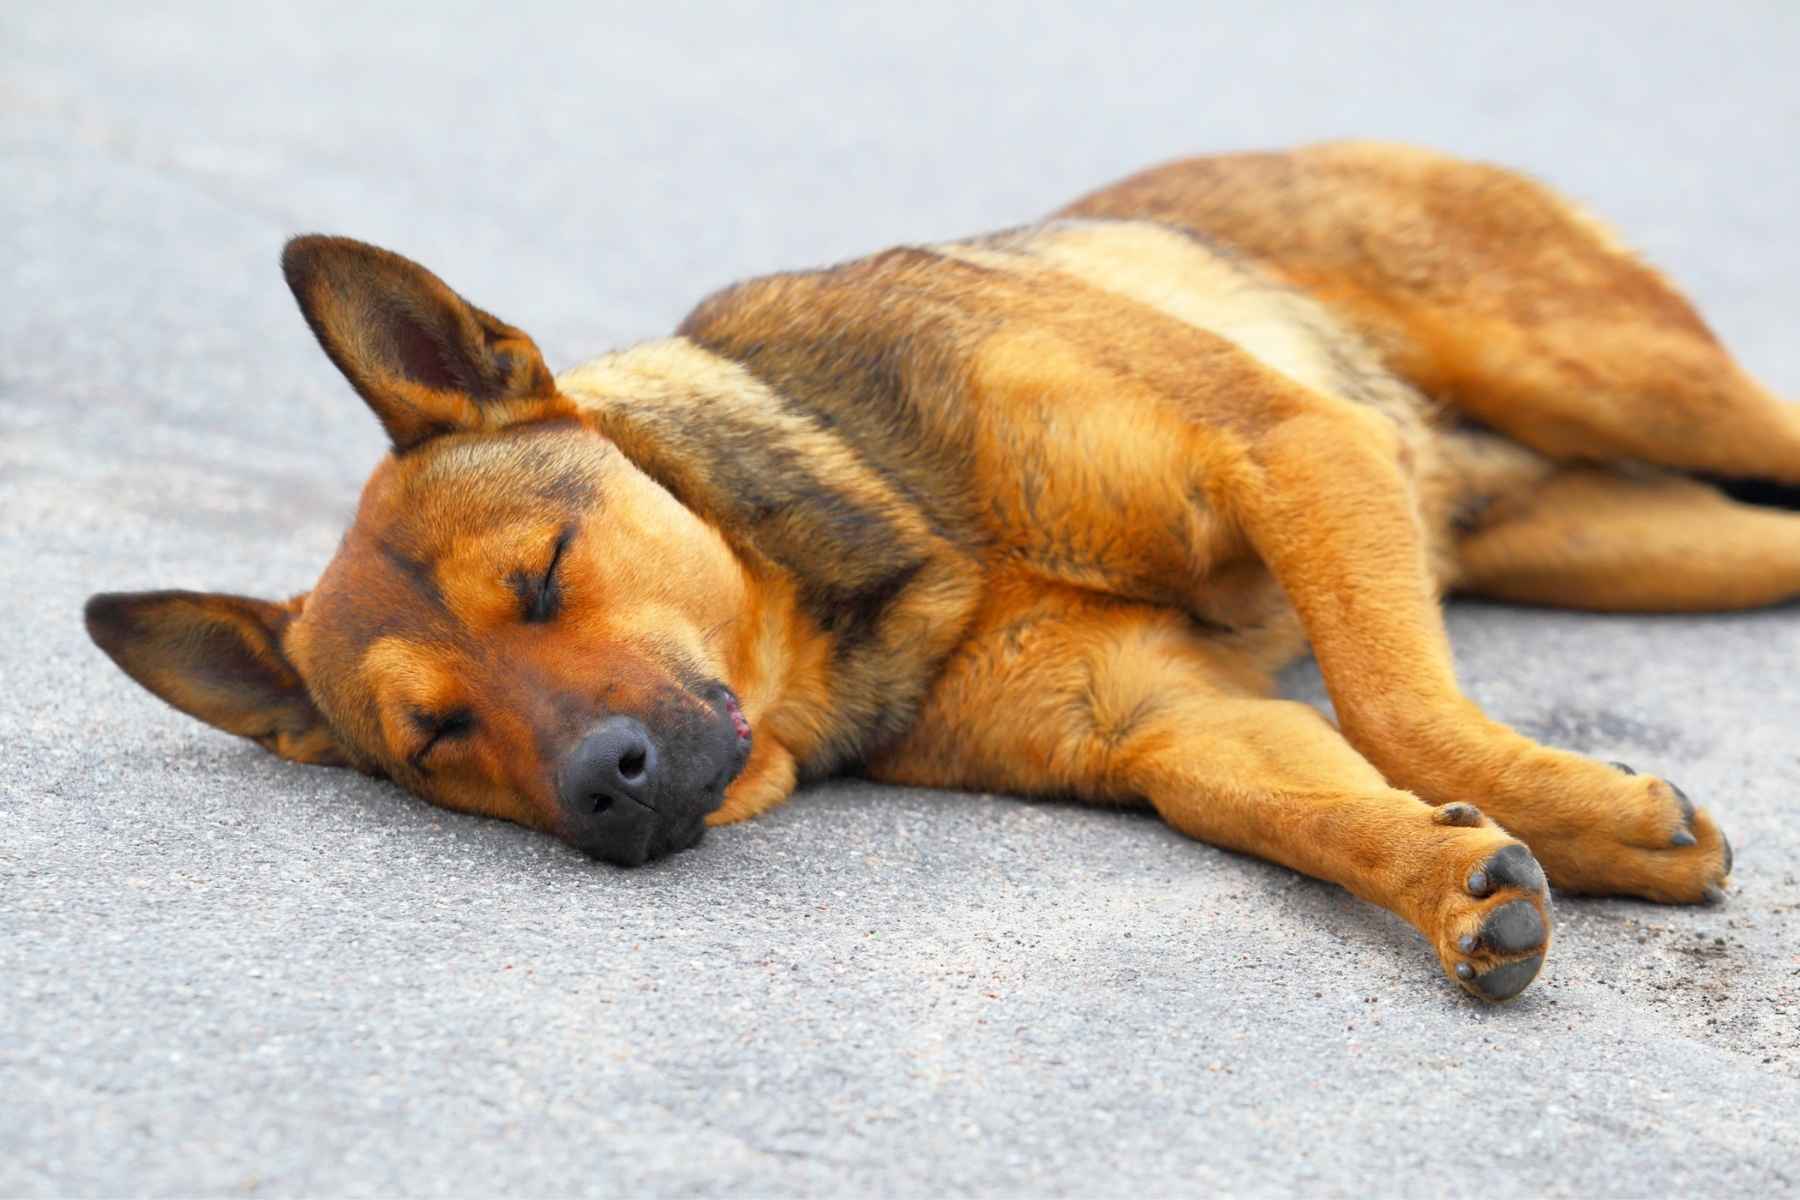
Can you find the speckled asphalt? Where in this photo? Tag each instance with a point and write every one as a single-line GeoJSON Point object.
{"type": "Point", "coordinates": [221, 974]}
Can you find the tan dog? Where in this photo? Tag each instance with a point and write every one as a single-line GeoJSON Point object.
{"type": "Point", "coordinates": [1038, 512]}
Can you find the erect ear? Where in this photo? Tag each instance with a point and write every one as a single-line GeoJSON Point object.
{"type": "Point", "coordinates": [218, 658]}
{"type": "Point", "coordinates": [427, 361]}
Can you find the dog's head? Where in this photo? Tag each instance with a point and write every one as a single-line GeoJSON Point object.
{"type": "Point", "coordinates": [520, 622]}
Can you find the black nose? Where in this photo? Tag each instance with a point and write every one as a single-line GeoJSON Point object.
{"type": "Point", "coordinates": [630, 795]}
{"type": "Point", "coordinates": [615, 764]}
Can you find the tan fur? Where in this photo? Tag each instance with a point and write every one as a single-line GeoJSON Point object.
{"type": "Point", "coordinates": [1042, 511]}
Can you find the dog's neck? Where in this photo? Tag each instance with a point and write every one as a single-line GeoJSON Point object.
{"type": "Point", "coordinates": [852, 582]}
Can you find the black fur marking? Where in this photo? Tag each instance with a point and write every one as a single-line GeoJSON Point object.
{"type": "Point", "coordinates": [881, 393]}
{"type": "Point", "coordinates": [854, 615]}
{"type": "Point", "coordinates": [417, 573]}
{"type": "Point", "coordinates": [500, 367]}
{"type": "Point", "coordinates": [889, 515]}
{"type": "Point", "coordinates": [1129, 724]}
{"type": "Point", "coordinates": [458, 723]}
{"type": "Point", "coordinates": [574, 490]}
{"type": "Point", "coordinates": [1466, 517]}
{"type": "Point", "coordinates": [540, 595]}
{"type": "Point", "coordinates": [852, 561]}
{"type": "Point", "coordinates": [1206, 626]}
{"type": "Point", "coordinates": [426, 434]}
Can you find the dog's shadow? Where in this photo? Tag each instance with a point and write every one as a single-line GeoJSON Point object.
{"type": "Point", "coordinates": [851, 825]}
{"type": "Point", "coordinates": [1111, 861]}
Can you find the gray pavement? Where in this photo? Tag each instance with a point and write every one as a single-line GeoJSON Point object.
{"type": "Point", "coordinates": [221, 974]}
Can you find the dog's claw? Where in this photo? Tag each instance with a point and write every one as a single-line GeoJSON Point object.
{"type": "Point", "coordinates": [1683, 838]}
{"type": "Point", "coordinates": [1466, 816]}
{"type": "Point", "coordinates": [1687, 806]}
{"type": "Point", "coordinates": [1465, 972]}
{"type": "Point", "coordinates": [1623, 768]}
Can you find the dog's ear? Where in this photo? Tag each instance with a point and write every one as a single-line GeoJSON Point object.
{"type": "Point", "coordinates": [218, 658]}
{"type": "Point", "coordinates": [427, 361]}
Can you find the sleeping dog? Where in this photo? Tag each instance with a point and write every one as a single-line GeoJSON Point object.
{"type": "Point", "coordinates": [1039, 511]}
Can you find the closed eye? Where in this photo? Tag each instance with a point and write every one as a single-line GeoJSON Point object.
{"type": "Point", "coordinates": [447, 727]}
{"type": "Point", "coordinates": [541, 596]}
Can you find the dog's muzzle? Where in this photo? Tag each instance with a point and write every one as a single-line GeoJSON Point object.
{"type": "Point", "coordinates": [629, 795]}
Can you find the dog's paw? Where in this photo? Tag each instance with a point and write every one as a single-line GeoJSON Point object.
{"type": "Point", "coordinates": [1660, 810]}
{"type": "Point", "coordinates": [1645, 839]}
{"type": "Point", "coordinates": [1492, 915]}
{"type": "Point", "coordinates": [1497, 933]}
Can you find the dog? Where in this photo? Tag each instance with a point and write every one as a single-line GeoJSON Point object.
{"type": "Point", "coordinates": [1039, 512]}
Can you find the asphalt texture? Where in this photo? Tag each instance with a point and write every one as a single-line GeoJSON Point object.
{"type": "Point", "coordinates": [222, 974]}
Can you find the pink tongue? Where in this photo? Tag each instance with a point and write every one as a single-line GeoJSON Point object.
{"type": "Point", "coordinates": [738, 721]}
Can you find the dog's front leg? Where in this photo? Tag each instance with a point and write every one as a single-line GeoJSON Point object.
{"type": "Point", "coordinates": [766, 780]}
{"type": "Point", "coordinates": [1070, 694]}
{"type": "Point", "coordinates": [1322, 498]}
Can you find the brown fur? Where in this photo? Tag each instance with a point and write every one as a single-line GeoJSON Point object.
{"type": "Point", "coordinates": [1042, 511]}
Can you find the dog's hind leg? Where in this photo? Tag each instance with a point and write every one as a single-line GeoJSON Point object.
{"type": "Point", "coordinates": [1071, 694]}
{"type": "Point", "coordinates": [1632, 541]}
{"type": "Point", "coordinates": [1490, 292]}
{"type": "Point", "coordinates": [1625, 382]}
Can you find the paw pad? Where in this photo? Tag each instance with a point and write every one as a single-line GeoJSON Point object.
{"type": "Point", "coordinates": [1509, 866]}
{"type": "Point", "coordinates": [1501, 983]}
{"type": "Point", "coordinates": [1515, 930]}
{"type": "Point", "coordinates": [1513, 927]}
{"type": "Point", "coordinates": [1508, 929]}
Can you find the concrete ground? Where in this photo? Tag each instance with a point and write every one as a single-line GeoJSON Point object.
{"type": "Point", "coordinates": [223, 974]}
